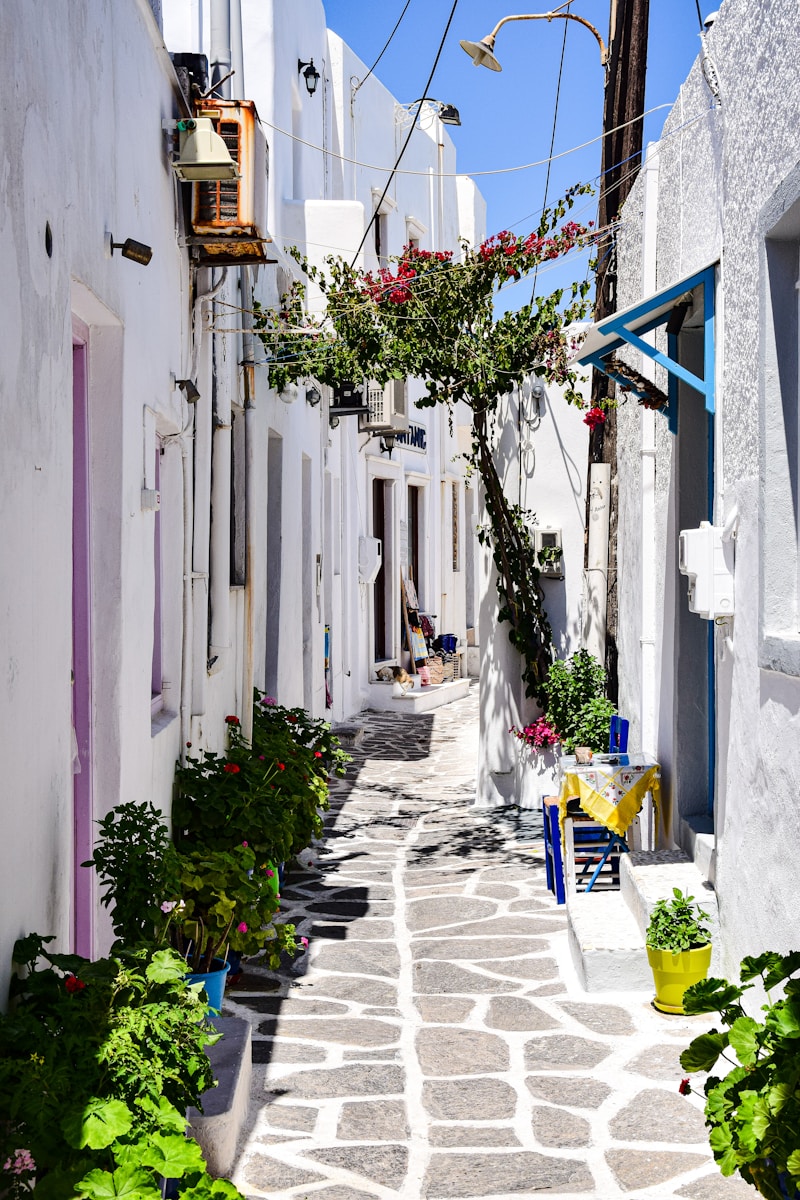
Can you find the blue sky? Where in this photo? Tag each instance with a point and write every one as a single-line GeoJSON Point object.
{"type": "Point", "coordinates": [507, 118]}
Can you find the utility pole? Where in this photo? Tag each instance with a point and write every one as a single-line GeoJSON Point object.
{"type": "Point", "coordinates": [621, 158]}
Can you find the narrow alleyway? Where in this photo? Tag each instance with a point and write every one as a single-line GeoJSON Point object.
{"type": "Point", "coordinates": [434, 1043]}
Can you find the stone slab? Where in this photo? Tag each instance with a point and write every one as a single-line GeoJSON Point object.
{"type": "Point", "coordinates": [658, 1115]}
{"type": "Point", "coordinates": [645, 1168]}
{"type": "Point", "coordinates": [469, 1099]}
{"type": "Point", "coordinates": [218, 1126]}
{"type": "Point", "coordinates": [558, 1128]}
{"type": "Point", "coordinates": [573, 1091]}
{"type": "Point", "coordinates": [450, 1051]}
{"type": "Point", "coordinates": [563, 1050]}
{"type": "Point", "coordinates": [373, 1121]}
{"type": "Point", "coordinates": [386, 1165]}
{"type": "Point", "coordinates": [521, 1174]}
{"type": "Point", "coordinates": [435, 978]}
{"type": "Point", "coordinates": [353, 1080]}
{"type": "Point", "coordinates": [515, 1014]}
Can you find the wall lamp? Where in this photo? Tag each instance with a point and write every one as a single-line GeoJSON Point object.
{"type": "Point", "coordinates": [310, 74]}
{"type": "Point", "coordinates": [202, 153]}
{"type": "Point", "coordinates": [190, 390]}
{"type": "Point", "coordinates": [313, 395]}
{"type": "Point", "coordinates": [135, 251]}
{"type": "Point", "coordinates": [448, 114]}
{"type": "Point", "coordinates": [482, 54]}
{"type": "Point", "coordinates": [386, 443]}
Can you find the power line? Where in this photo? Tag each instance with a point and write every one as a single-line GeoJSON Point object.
{"type": "Point", "coordinates": [403, 148]}
{"type": "Point", "coordinates": [385, 48]}
{"type": "Point", "coordinates": [552, 143]}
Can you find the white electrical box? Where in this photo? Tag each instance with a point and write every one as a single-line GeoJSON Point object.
{"type": "Point", "coordinates": [549, 552]}
{"type": "Point", "coordinates": [707, 561]}
{"type": "Point", "coordinates": [370, 558]}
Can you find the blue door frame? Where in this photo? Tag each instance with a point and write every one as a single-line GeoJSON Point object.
{"type": "Point", "coordinates": [621, 326]}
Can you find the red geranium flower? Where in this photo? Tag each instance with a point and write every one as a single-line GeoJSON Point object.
{"type": "Point", "coordinates": [685, 1088]}
{"type": "Point", "coordinates": [73, 984]}
{"type": "Point", "coordinates": [232, 768]}
{"type": "Point", "coordinates": [232, 721]}
{"type": "Point", "coordinates": [317, 754]}
{"type": "Point", "coordinates": [281, 766]}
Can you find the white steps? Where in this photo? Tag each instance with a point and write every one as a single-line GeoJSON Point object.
{"type": "Point", "coordinates": [607, 929]}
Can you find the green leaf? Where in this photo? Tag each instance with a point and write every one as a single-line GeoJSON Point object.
{"type": "Point", "coordinates": [720, 1141]}
{"type": "Point", "coordinates": [98, 1125]}
{"type": "Point", "coordinates": [711, 995]}
{"type": "Point", "coordinates": [784, 1019]}
{"type": "Point", "coordinates": [787, 966]}
{"type": "Point", "coordinates": [703, 1052]}
{"type": "Point", "coordinates": [743, 1037]}
{"type": "Point", "coordinates": [166, 1116]}
{"type": "Point", "coordinates": [793, 1163]}
{"type": "Point", "coordinates": [172, 1155]}
{"type": "Point", "coordinates": [126, 1182]}
{"type": "Point", "coordinates": [165, 967]}
{"type": "Point", "coordinates": [207, 1188]}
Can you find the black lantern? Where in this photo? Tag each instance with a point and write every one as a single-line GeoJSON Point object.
{"type": "Point", "coordinates": [310, 74]}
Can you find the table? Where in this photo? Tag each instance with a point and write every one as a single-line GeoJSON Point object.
{"type": "Point", "coordinates": [611, 790]}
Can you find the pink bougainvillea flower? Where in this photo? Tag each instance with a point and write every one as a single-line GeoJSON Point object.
{"type": "Point", "coordinates": [231, 720]}
{"type": "Point", "coordinates": [304, 942]}
{"type": "Point", "coordinates": [241, 927]}
{"type": "Point", "coordinates": [245, 845]}
{"type": "Point", "coordinates": [268, 700]}
{"type": "Point", "coordinates": [232, 768]}
{"type": "Point", "coordinates": [594, 417]}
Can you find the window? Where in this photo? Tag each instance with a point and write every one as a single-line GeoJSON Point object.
{"type": "Point", "coordinates": [381, 240]}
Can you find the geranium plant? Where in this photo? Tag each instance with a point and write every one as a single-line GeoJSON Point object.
{"type": "Point", "coordinates": [575, 703]}
{"type": "Point", "coordinates": [98, 1063]}
{"type": "Point", "coordinates": [432, 317]}
{"type": "Point", "coordinates": [753, 1110]}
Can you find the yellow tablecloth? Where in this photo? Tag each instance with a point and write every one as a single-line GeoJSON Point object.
{"type": "Point", "coordinates": [611, 794]}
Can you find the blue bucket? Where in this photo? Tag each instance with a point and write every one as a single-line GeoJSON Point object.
{"type": "Point", "coordinates": [449, 642]}
{"type": "Point", "coordinates": [213, 982]}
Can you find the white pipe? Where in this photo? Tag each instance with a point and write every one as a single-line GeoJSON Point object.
{"type": "Point", "coordinates": [202, 504]}
{"type": "Point", "coordinates": [188, 626]}
{"type": "Point", "coordinates": [248, 359]}
{"type": "Point", "coordinates": [220, 44]}
{"type": "Point", "coordinates": [220, 547]}
{"type": "Point", "coordinates": [594, 624]}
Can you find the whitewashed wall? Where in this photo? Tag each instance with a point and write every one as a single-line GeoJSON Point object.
{"type": "Point", "coordinates": [726, 180]}
{"type": "Point", "coordinates": [549, 479]}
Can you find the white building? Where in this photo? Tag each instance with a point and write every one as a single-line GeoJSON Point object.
{"type": "Point", "coordinates": [708, 259]}
{"type": "Point", "coordinates": [173, 532]}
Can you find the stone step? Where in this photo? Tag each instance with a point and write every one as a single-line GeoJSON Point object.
{"type": "Point", "coordinates": [606, 944]}
{"type": "Point", "coordinates": [418, 700]}
{"type": "Point", "coordinates": [646, 876]}
{"type": "Point", "coordinates": [218, 1127]}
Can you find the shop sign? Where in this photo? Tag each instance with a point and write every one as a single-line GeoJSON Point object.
{"type": "Point", "coordinates": [414, 439]}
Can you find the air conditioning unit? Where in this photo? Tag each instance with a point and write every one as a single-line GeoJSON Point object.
{"type": "Point", "coordinates": [229, 216]}
{"type": "Point", "coordinates": [549, 552]}
{"type": "Point", "coordinates": [388, 407]}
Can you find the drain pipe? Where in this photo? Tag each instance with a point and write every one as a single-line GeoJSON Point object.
{"type": "Point", "coordinates": [251, 507]}
{"type": "Point", "coordinates": [190, 505]}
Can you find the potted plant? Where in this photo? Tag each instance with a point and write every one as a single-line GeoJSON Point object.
{"type": "Point", "coordinates": [753, 1111]}
{"type": "Point", "coordinates": [575, 703]}
{"type": "Point", "coordinates": [98, 1063]}
{"type": "Point", "coordinates": [678, 948]}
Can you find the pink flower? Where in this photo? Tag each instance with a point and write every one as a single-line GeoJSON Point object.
{"type": "Point", "coordinates": [168, 906]}
{"type": "Point", "coordinates": [241, 927]}
{"type": "Point", "coordinates": [594, 417]}
{"type": "Point", "coordinates": [245, 845]}
{"type": "Point", "coordinates": [268, 700]}
{"type": "Point", "coordinates": [304, 942]}
{"type": "Point", "coordinates": [270, 874]}
{"type": "Point", "coordinates": [20, 1164]}
{"type": "Point", "coordinates": [261, 757]}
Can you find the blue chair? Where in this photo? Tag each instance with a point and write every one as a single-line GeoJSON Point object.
{"type": "Point", "coordinates": [618, 735]}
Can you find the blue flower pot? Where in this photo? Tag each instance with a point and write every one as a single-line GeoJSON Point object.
{"type": "Point", "coordinates": [213, 983]}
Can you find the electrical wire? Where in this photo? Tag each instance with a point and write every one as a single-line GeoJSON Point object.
{"type": "Point", "coordinates": [552, 141]}
{"type": "Point", "coordinates": [699, 14]}
{"type": "Point", "coordinates": [385, 48]}
{"type": "Point", "coordinates": [425, 92]}
{"type": "Point", "coordinates": [541, 162]}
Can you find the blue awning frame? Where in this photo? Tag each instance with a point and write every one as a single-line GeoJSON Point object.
{"type": "Point", "coordinates": [626, 328]}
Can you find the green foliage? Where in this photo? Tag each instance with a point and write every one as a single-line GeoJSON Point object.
{"type": "Point", "coordinates": [677, 924]}
{"type": "Point", "coordinates": [431, 317]}
{"type": "Point", "coordinates": [753, 1112]}
{"type": "Point", "coordinates": [130, 862]}
{"type": "Point", "coordinates": [98, 1063]}
{"type": "Point", "coordinates": [574, 701]}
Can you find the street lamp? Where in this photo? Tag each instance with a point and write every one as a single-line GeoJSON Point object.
{"type": "Point", "coordinates": [482, 54]}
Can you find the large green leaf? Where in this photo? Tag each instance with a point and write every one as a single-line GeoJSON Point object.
{"type": "Point", "coordinates": [98, 1125]}
{"type": "Point", "coordinates": [743, 1037]}
{"type": "Point", "coordinates": [720, 1142]}
{"type": "Point", "coordinates": [703, 1052]}
{"type": "Point", "coordinates": [710, 995]}
{"type": "Point", "coordinates": [165, 967]}
{"type": "Point", "coordinates": [784, 1019]}
{"type": "Point", "coordinates": [127, 1182]}
{"type": "Point", "coordinates": [172, 1155]}
{"type": "Point", "coordinates": [207, 1188]}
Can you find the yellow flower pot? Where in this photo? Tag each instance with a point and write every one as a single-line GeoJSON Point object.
{"type": "Point", "coordinates": [674, 973]}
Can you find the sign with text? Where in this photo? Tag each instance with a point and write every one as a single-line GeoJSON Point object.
{"type": "Point", "coordinates": [414, 439]}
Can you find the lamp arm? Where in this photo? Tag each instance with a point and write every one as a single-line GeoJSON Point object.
{"type": "Point", "coordinates": [564, 16]}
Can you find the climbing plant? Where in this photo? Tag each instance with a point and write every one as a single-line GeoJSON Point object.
{"type": "Point", "coordinates": [429, 315]}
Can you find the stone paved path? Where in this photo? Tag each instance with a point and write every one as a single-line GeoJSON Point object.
{"type": "Point", "coordinates": [434, 1042]}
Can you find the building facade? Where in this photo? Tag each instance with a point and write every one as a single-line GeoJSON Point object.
{"type": "Point", "coordinates": [709, 249]}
